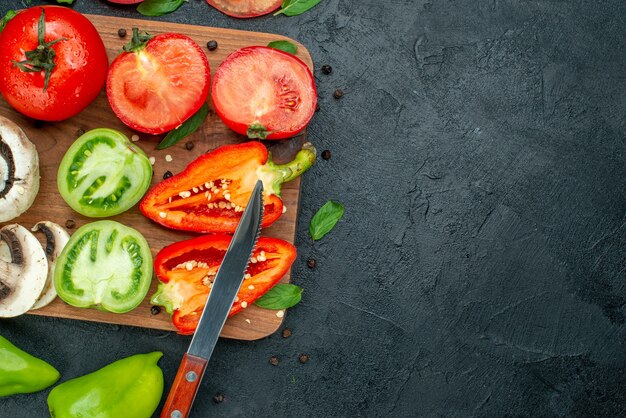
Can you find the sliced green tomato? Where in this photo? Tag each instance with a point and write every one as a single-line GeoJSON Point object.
{"type": "Point", "coordinates": [105, 265]}
{"type": "Point", "coordinates": [103, 174]}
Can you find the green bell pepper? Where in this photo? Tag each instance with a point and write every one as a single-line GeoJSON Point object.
{"type": "Point", "coordinates": [22, 373]}
{"type": "Point", "coordinates": [131, 388]}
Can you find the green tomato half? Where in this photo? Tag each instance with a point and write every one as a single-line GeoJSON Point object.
{"type": "Point", "coordinates": [103, 174]}
{"type": "Point", "coordinates": [104, 265]}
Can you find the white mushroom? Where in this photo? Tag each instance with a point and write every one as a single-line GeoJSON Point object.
{"type": "Point", "coordinates": [19, 171]}
{"type": "Point", "coordinates": [56, 238]}
{"type": "Point", "coordinates": [23, 277]}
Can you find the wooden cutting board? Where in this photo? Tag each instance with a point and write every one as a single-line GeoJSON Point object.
{"type": "Point", "coordinates": [53, 139]}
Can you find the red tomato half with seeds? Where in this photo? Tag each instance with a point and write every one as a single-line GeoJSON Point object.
{"type": "Point", "coordinates": [264, 93]}
{"type": "Point", "coordinates": [73, 47]}
{"type": "Point", "coordinates": [159, 83]}
{"type": "Point", "coordinates": [245, 8]}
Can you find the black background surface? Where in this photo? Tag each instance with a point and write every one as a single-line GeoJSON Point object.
{"type": "Point", "coordinates": [479, 269]}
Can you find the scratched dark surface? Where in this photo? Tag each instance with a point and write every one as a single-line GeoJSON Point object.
{"type": "Point", "coordinates": [479, 269]}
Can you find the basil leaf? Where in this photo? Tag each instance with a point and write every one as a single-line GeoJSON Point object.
{"type": "Point", "coordinates": [159, 7]}
{"type": "Point", "coordinates": [188, 127]}
{"type": "Point", "coordinates": [10, 15]}
{"type": "Point", "coordinates": [325, 219]}
{"type": "Point", "coordinates": [281, 296]}
{"type": "Point", "coordinates": [65, 1]}
{"type": "Point", "coordinates": [296, 7]}
{"type": "Point", "coordinates": [285, 46]}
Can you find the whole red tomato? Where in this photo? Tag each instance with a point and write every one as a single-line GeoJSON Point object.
{"type": "Point", "coordinates": [74, 52]}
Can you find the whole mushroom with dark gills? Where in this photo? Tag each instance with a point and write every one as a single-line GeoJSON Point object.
{"type": "Point", "coordinates": [210, 195]}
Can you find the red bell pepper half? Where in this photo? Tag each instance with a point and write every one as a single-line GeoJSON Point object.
{"type": "Point", "coordinates": [186, 271]}
{"type": "Point", "coordinates": [211, 194]}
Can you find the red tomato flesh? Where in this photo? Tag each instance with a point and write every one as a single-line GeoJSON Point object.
{"type": "Point", "coordinates": [81, 63]}
{"type": "Point", "coordinates": [245, 8]}
{"type": "Point", "coordinates": [157, 88]}
{"type": "Point", "coordinates": [260, 85]}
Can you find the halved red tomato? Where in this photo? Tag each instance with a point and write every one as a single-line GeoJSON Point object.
{"type": "Point", "coordinates": [160, 83]}
{"type": "Point", "coordinates": [245, 8]}
{"type": "Point", "coordinates": [264, 93]}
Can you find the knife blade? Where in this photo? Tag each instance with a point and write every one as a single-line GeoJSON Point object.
{"type": "Point", "coordinates": [221, 298]}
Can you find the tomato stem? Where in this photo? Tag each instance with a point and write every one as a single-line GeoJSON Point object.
{"type": "Point", "coordinates": [42, 57]}
{"type": "Point", "coordinates": [139, 41]}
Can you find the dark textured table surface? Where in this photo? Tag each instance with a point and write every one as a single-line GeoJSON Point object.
{"type": "Point", "coordinates": [479, 269]}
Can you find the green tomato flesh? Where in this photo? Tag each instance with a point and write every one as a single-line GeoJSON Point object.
{"type": "Point", "coordinates": [103, 174]}
{"type": "Point", "coordinates": [105, 265]}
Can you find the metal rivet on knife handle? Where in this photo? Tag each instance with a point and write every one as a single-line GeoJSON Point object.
{"type": "Point", "coordinates": [191, 376]}
{"type": "Point", "coordinates": [176, 414]}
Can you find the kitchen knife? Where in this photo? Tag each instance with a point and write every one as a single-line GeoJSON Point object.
{"type": "Point", "coordinates": [225, 287]}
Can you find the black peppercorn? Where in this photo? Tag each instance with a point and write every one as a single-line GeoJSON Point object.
{"type": "Point", "coordinates": [326, 154]}
{"type": "Point", "coordinates": [274, 361]}
{"type": "Point", "coordinates": [167, 175]}
{"type": "Point", "coordinates": [218, 398]}
{"type": "Point", "coordinates": [303, 358]}
{"type": "Point", "coordinates": [189, 145]}
{"type": "Point", "coordinates": [211, 45]}
{"type": "Point", "coordinates": [80, 132]}
{"type": "Point", "coordinates": [155, 310]}
{"type": "Point", "coordinates": [70, 224]}
{"type": "Point", "coordinates": [327, 69]}
{"type": "Point", "coordinates": [286, 333]}
{"type": "Point", "coordinates": [121, 33]}
{"type": "Point", "coordinates": [338, 94]}
{"type": "Point", "coordinates": [311, 263]}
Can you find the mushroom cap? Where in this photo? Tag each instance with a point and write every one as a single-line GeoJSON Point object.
{"type": "Point", "coordinates": [20, 175]}
{"type": "Point", "coordinates": [56, 238]}
{"type": "Point", "coordinates": [23, 277]}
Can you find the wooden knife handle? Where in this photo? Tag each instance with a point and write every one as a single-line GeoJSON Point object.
{"type": "Point", "coordinates": [184, 388]}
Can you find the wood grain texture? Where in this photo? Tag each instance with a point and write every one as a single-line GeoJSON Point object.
{"type": "Point", "coordinates": [53, 139]}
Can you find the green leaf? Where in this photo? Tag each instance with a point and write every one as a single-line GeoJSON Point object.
{"type": "Point", "coordinates": [188, 127]}
{"type": "Point", "coordinates": [10, 15]}
{"type": "Point", "coordinates": [285, 46]}
{"type": "Point", "coordinates": [296, 7]}
{"type": "Point", "coordinates": [65, 1]}
{"type": "Point", "coordinates": [325, 219]}
{"type": "Point", "coordinates": [159, 7]}
{"type": "Point", "coordinates": [281, 296]}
